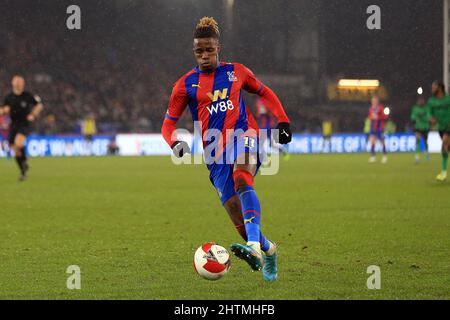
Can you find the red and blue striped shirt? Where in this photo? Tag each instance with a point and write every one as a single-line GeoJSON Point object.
{"type": "Point", "coordinates": [377, 117]}
{"type": "Point", "coordinates": [215, 100]}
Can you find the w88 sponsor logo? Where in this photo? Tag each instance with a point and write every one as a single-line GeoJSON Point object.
{"type": "Point", "coordinates": [221, 106]}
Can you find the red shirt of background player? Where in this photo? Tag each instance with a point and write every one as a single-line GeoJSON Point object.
{"type": "Point", "coordinates": [377, 117]}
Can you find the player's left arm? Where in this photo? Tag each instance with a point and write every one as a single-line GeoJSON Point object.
{"type": "Point", "coordinates": [37, 109]}
{"type": "Point", "coordinates": [413, 116]}
{"type": "Point", "coordinates": [268, 97]}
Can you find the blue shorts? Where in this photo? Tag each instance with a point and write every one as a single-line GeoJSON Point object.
{"type": "Point", "coordinates": [221, 174]}
{"type": "Point", "coordinates": [377, 133]}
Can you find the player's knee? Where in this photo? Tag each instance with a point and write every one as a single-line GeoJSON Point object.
{"type": "Point", "coordinates": [446, 144]}
{"type": "Point", "coordinates": [233, 208]}
{"type": "Point", "coordinates": [18, 145]}
{"type": "Point", "coordinates": [17, 150]}
{"type": "Point", "coordinates": [242, 179]}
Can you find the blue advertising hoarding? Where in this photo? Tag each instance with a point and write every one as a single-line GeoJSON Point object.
{"type": "Point", "coordinates": [154, 144]}
{"type": "Point", "coordinates": [64, 146]}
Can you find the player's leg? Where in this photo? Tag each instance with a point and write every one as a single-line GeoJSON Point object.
{"type": "Point", "coordinates": [17, 154]}
{"type": "Point", "coordinates": [445, 148]}
{"type": "Point", "coordinates": [221, 176]}
{"type": "Point", "coordinates": [244, 171]}
{"type": "Point", "coordinates": [20, 155]}
{"type": "Point", "coordinates": [425, 142]}
{"type": "Point", "coordinates": [372, 141]}
{"type": "Point", "coordinates": [383, 143]}
{"type": "Point", "coordinates": [417, 155]}
{"type": "Point", "coordinates": [234, 210]}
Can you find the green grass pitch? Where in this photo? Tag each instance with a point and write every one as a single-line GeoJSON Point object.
{"type": "Point", "coordinates": [132, 226]}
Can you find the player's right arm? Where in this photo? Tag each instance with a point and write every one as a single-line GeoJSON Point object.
{"type": "Point", "coordinates": [413, 114]}
{"type": "Point", "coordinates": [177, 103]}
{"type": "Point", "coordinates": [431, 113]}
{"type": "Point", "coordinates": [5, 109]}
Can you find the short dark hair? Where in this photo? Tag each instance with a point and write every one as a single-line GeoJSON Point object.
{"type": "Point", "coordinates": [440, 85]}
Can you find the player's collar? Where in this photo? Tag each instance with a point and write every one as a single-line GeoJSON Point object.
{"type": "Point", "coordinates": [221, 64]}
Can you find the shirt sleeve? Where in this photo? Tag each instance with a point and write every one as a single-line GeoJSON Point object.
{"type": "Point", "coordinates": [251, 83]}
{"type": "Point", "coordinates": [430, 109]}
{"type": "Point", "coordinates": [383, 116]}
{"type": "Point", "coordinates": [177, 103]}
{"type": "Point", "coordinates": [429, 116]}
{"type": "Point", "coordinates": [6, 101]}
{"type": "Point", "coordinates": [268, 97]}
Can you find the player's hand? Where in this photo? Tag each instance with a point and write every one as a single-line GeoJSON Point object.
{"type": "Point", "coordinates": [31, 117]}
{"type": "Point", "coordinates": [180, 148]}
{"type": "Point", "coordinates": [284, 135]}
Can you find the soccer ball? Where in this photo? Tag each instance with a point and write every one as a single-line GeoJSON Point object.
{"type": "Point", "coordinates": [211, 261]}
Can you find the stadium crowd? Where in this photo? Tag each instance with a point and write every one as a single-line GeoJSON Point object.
{"type": "Point", "coordinates": [122, 81]}
{"type": "Point", "coordinates": [126, 93]}
{"type": "Point", "coordinates": [78, 78]}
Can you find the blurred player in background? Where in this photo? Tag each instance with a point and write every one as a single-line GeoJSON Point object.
{"type": "Point", "coordinates": [439, 105]}
{"type": "Point", "coordinates": [89, 127]}
{"type": "Point", "coordinates": [266, 120]}
{"type": "Point", "coordinates": [378, 117]}
{"type": "Point", "coordinates": [327, 132]}
{"type": "Point", "coordinates": [420, 116]}
{"type": "Point", "coordinates": [23, 109]}
{"type": "Point", "coordinates": [89, 130]}
{"type": "Point", "coordinates": [213, 91]}
{"type": "Point", "coordinates": [4, 132]}
{"type": "Point", "coordinates": [366, 129]}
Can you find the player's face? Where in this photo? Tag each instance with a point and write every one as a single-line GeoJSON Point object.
{"type": "Point", "coordinates": [18, 85]}
{"type": "Point", "coordinates": [434, 88]}
{"type": "Point", "coordinates": [374, 101]}
{"type": "Point", "coordinates": [206, 52]}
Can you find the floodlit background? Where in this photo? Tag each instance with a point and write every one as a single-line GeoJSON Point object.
{"type": "Point", "coordinates": [122, 64]}
{"type": "Point", "coordinates": [132, 224]}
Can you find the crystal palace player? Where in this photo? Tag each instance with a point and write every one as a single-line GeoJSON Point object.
{"type": "Point", "coordinates": [23, 109]}
{"type": "Point", "coordinates": [212, 90]}
{"type": "Point", "coordinates": [377, 118]}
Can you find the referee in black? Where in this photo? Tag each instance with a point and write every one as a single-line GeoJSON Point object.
{"type": "Point", "coordinates": [23, 108]}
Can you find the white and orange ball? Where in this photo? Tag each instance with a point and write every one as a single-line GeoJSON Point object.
{"type": "Point", "coordinates": [211, 261]}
